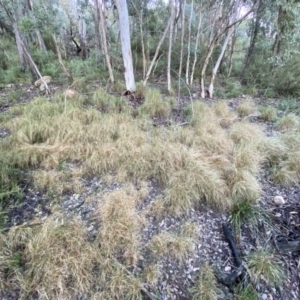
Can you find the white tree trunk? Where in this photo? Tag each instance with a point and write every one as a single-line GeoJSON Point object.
{"type": "Point", "coordinates": [104, 41]}
{"type": "Point", "coordinates": [181, 44]}
{"type": "Point", "coordinates": [189, 45]}
{"type": "Point", "coordinates": [170, 44]}
{"type": "Point", "coordinates": [196, 45]}
{"type": "Point", "coordinates": [217, 64]}
{"type": "Point", "coordinates": [126, 46]}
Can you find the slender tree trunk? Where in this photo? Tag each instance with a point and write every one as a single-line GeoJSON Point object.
{"type": "Point", "coordinates": [19, 46]}
{"type": "Point", "coordinates": [97, 30]}
{"type": "Point", "coordinates": [226, 41]}
{"type": "Point", "coordinates": [104, 42]}
{"type": "Point", "coordinates": [253, 39]}
{"type": "Point", "coordinates": [170, 44]}
{"type": "Point", "coordinates": [196, 46]}
{"type": "Point", "coordinates": [181, 44]}
{"type": "Point", "coordinates": [232, 50]}
{"type": "Point", "coordinates": [126, 46]}
{"type": "Point", "coordinates": [141, 21]}
{"type": "Point", "coordinates": [60, 60]}
{"type": "Point", "coordinates": [157, 51]}
{"type": "Point", "coordinates": [143, 46]}
{"type": "Point", "coordinates": [82, 37]}
{"type": "Point", "coordinates": [40, 40]}
{"type": "Point", "coordinates": [217, 64]}
{"type": "Point", "coordinates": [211, 48]}
{"type": "Point", "coordinates": [189, 45]}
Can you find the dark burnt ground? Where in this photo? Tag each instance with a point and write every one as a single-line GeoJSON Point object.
{"type": "Point", "coordinates": [283, 223]}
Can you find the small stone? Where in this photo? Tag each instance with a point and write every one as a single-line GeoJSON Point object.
{"type": "Point", "coordinates": [227, 269]}
{"type": "Point", "coordinates": [278, 200]}
{"type": "Point", "coordinates": [90, 228]}
{"type": "Point", "coordinates": [264, 296]}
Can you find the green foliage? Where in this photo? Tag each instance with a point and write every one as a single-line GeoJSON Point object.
{"type": "Point", "coordinates": [245, 293]}
{"type": "Point", "coordinates": [289, 105]}
{"type": "Point", "coordinates": [286, 78]}
{"type": "Point", "coordinates": [15, 95]}
{"type": "Point", "coordinates": [244, 213]}
{"type": "Point", "coordinates": [263, 263]}
{"type": "Point", "coordinates": [154, 105]}
{"type": "Point", "coordinates": [109, 103]}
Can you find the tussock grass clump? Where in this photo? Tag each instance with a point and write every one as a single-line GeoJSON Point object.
{"type": "Point", "coordinates": [176, 246]}
{"type": "Point", "coordinates": [201, 115]}
{"type": "Point", "coordinates": [121, 225]}
{"type": "Point", "coordinates": [57, 260]}
{"type": "Point", "coordinates": [289, 123]}
{"type": "Point", "coordinates": [244, 186]}
{"type": "Point", "coordinates": [262, 263]}
{"type": "Point", "coordinates": [246, 108]}
{"type": "Point", "coordinates": [206, 287]}
{"type": "Point", "coordinates": [244, 213]}
{"type": "Point", "coordinates": [244, 132]}
{"type": "Point", "coordinates": [225, 116]}
{"type": "Point", "coordinates": [245, 292]}
{"type": "Point", "coordinates": [119, 87]}
{"type": "Point", "coordinates": [57, 182]}
{"type": "Point", "coordinates": [268, 114]}
{"type": "Point", "coordinates": [154, 105]}
{"type": "Point", "coordinates": [141, 90]}
{"type": "Point", "coordinates": [286, 169]}
{"type": "Point", "coordinates": [109, 103]}
{"type": "Point", "coordinates": [204, 183]}
{"type": "Point", "coordinates": [17, 110]}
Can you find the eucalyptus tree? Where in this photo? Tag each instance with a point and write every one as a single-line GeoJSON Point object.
{"type": "Point", "coordinates": [126, 45]}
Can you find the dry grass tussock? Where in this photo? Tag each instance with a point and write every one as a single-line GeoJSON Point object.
{"type": "Point", "coordinates": [53, 260]}
{"type": "Point", "coordinates": [196, 163]}
{"type": "Point", "coordinates": [206, 287]}
{"type": "Point", "coordinates": [288, 123]}
{"type": "Point", "coordinates": [121, 224]}
{"type": "Point", "coordinates": [246, 108]}
{"type": "Point", "coordinates": [176, 246]}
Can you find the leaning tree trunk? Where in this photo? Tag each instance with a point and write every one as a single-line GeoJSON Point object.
{"type": "Point", "coordinates": [216, 67]}
{"type": "Point", "coordinates": [126, 46]}
{"type": "Point", "coordinates": [19, 46]}
{"type": "Point", "coordinates": [60, 59]}
{"type": "Point", "coordinates": [196, 46]}
{"type": "Point", "coordinates": [157, 51]}
{"type": "Point", "coordinates": [104, 41]}
{"type": "Point", "coordinates": [211, 48]}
